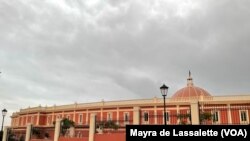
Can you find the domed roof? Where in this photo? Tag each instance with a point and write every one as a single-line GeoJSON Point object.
{"type": "Point", "coordinates": [190, 91]}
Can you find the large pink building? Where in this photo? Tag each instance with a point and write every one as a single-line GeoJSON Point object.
{"type": "Point", "coordinates": [189, 105]}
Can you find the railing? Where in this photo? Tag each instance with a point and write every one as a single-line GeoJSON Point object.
{"type": "Point", "coordinates": [215, 114]}
{"type": "Point", "coordinates": [16, 135]}
{"type": "Point", "coordinates": [108, 126]}
{"type": "Point", "coordinates": [171, 119]}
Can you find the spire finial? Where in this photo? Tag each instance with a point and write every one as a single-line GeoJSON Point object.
{"type": "Point", "coordinates": [190, 79]}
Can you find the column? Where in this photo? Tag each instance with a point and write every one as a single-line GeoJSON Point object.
{"type": "Point", "coordinates": [101, 114]}
{"type": "Point", "coordinates": [136, 115]}
{"type": "Point", "coordinates": [38, 118]}
{"type": "Point", "coordinates": [57, 129]}
{"type": "Point", "coordinates": [28, 132]}
{"type": "Point", "coordinates": [5, 131]}
{"type": "Point", "coordinates": [74, 116]}
{"type": "Point", "coordinates": [229, 114]}
{"type": "Point", "coordinates": [195, 116]}
{"type": "Point", "coordinates": [53, 116]}
{"type": "Point", "coordinates": [117, 115]}
{"type": "Point", "coordinates": [92, 127]}
{"type": "Point", "coordinates": [155, 114]}
{"type": "Point", "coordinates": [27, 119]}
{"type": "Point", "coordinates": [62, 114]}
{"type": "Point", "coordinates": [87, 116]}
{"type": "Point", "coordinates": [178, 112]}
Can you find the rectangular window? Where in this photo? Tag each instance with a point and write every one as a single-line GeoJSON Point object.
{"type": "Point", "coordinates": [23, 120]}
{"type": "Point", "coordinates": [68, 117]}
{"type": "Point", "coordinates": [126, 117]}
{"type": "Point", "coordinates": [215, 117]}
{"type": "Point", "coordinates": [32, 120]}
{"type": "Point", "coordinates": [20, 121]}
{"type": "Point", "coordinates": [244, 117]}
{"type": "Point", "coordinates": [167, 117]}
{"type": "Point", "coordinates": [80, 119]}
{"type": "Point", "coordinates": [145, 117]}
{"type": "Point", "coordinates": [58, 116]}
{"type": "Point", "coordinates": [109, 116]}
{"type": "Point", "coordinates": [48, 120]}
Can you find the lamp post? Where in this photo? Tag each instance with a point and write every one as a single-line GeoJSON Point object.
{"type": "Point", "coordinates": [164, 91]}
{"type": "Point", "coordinates": [4, 112]}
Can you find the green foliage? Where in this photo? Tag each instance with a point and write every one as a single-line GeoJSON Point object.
{"type": "Point", "coordinates": [181, 117]}
{"type": "Point", "coordinates": [182, 122]}
{"type": "Point", "coordinates": [66, 124]}
{"type": "Point", "coordinates": [36, 131]}
{"type": "Point", "coordinates": [11, 135]}
{"type": "Point", "coordinates": [107, 124]}
{"type": "Point", "coordinates": [205, 116]}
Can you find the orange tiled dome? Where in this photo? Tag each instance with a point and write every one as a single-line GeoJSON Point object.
{"type": "Point", "coordinates": [190, 91]}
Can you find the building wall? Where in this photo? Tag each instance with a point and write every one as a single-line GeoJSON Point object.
{"type": "Point", "coordinates": [229, 109]}
{"type": "Point", "coordinates": [110, 137]}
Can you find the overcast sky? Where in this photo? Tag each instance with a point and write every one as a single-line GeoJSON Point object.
{"type": "Point", "coordinates": [66, 51]}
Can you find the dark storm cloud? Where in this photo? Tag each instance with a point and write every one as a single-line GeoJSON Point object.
{"type": "Point", "coordinates": [60, 52]}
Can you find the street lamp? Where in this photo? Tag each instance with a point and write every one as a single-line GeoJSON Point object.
{"type": "Point", "coordinates": [164, 91]}
{"type": "Point", "coordinates": [4, 112]}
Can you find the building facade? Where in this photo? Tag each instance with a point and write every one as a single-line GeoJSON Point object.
{"type": "Point", "coordinates": [189, 105]}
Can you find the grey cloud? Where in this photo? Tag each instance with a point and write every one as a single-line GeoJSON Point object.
{"type": "Point", "coordinates": [59, 53]}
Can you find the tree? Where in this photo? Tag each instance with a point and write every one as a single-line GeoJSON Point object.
{"type": "Point", "coordinates": [107, 124]}
{"type": "Point", "coordinates": [36, 131]}
{"type": "Point", "coordinates": [66, 124]}
{"type": "Point", "coordinates": [205, 116]}
{"type": "Point", "coordinates": [183, 117]}
{"type": "Point", "coordinates": [111, 124]}
{"type": "Point", "coordinates": [11, 135]}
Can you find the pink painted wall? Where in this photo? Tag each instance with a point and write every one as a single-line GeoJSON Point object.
{"type": "Point", "coordinates": [110, 137]}
{"type": "Point", "coordinates": [73, 139]}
